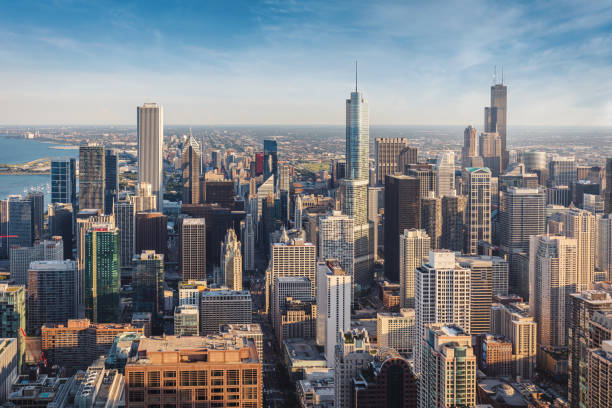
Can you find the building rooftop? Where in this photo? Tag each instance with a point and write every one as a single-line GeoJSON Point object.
{"type": "Point", "coordinates": [303, 352]}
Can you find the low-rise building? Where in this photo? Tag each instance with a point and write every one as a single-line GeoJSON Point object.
{"type": "Point", "coordinates": [302, 357]}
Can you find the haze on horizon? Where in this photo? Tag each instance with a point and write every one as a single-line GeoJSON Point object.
{"type": "Point", "coordinates": [291, 62]}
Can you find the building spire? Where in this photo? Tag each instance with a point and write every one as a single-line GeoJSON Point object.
{"type": "Point", "coordinates": [502, 75]}
{"type": "Point", "coordinates": [494, 74]}
{"type": "Point", "coordinates": [355, 75]}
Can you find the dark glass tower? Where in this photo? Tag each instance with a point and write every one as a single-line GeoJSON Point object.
{"type": "Point", "coordinates": [111, 180]}
{"type": "Point", "coordinates": [270, 158]}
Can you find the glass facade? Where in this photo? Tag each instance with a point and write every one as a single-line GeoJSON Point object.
{"type": "Point", "coordinates": [63, 181]}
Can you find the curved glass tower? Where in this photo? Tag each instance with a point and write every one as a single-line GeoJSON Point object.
{"type": "Point", "coordinates": [357, 137]}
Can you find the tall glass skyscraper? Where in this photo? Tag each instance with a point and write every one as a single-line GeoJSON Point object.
{"type": "Point", "coordinates": [63, 181]}
{"type": "Point", "coordinates": [150, 132]}
{"type": "Point", "coordinates": [270, 159]}
{"type": "Point", "coordinates": [357, 137]}
{"type": "Point", "coordinates": [111, 180]}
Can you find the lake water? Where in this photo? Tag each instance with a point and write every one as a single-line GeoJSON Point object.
{"type": "Point", "coordinates": [14, 151]}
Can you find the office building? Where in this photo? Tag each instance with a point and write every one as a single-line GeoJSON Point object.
{"type": "Point", "coordinates": [396, 330]}
{"type": "Point", "coordinates": [580, 225]}
{"type": "Point", "coordinates": [552, 278]}
{"type": "Point", "coordinates": [63, 181]}
{"type": "Point", "coordinates": [193, 249]}
{"type": "Point", "coordinates": [534, 160]}
{"type": "Point", "coordinates": [247, 331]}
{"type": "Point", "coordinates": [599, 376]}
{"type": "Point", "coordinates": [231, 261]}
{"type": "Point", "coordinates": [287, 289]}
{"type": "Point", "coordinates": [144, 200]}
{"type": "Point", "coordinates": [442, 294]}
{"type": "Point", "coordinates": [9, 358]}
{"type": "Point", "coordinates": [125, 215]}
{"type": "Point", "coordinates": [490, 146]}
{"type": "Point", "coordinates": [37, 198]}
{"type": "Point", "coordinates": [481, 292]}
{"type": "Point", "coordinates": [52, 293]}
{"type": "Point", "coordinates": [608, 191]}
{"type": "Point", "coordinates": [521, 214]}
{"type": "Point", "coordinates": [494, 355]}
{"type": "Point", "coordinates": [247, 234]}
{"type": "Point", "coordinates": [219, 307]}
{"type": "Point", "coordinates": [151, 232]}
{"type": "Point", "coordinates": [48, 250]}
{"type": "Point", "coordinates": [111, 180]}
{"type": "Point", "coordinates": [76, 344]}
{"type": "Point", "coordinates": [333, 304]}
{"type": "Point", "coordinates": [191, 171]}
{"type": "Point", "coordinates": [582, 307]}
{"type": "Point", "coordinates": [562, 171]}
{"type": "Point", "coordinates": [470, 146]}
{"type": "Point", "coordinates": [148, 283]}
{"type": "Point", "coordinates": [336, 240]}
{"type": "Point", "coordinates": [229, 366]}
{"type": "Point", "coordinates": [61, 224]}
{"type": "Point", "coordinates": [270, 157]}
{"type": "Point", "coordinates": [604, 244]}
{"type": "Point", "coordinates": [496, 116]}
{"type": "Point", "coordinates": [189, 292]}
{"type": "Point", "coordinates": [449, 367]}
{"type": "Point", "coordinates": [298, 320]}
{"type": "Point", "coordinates": [387, 156]}
{"type": "Point", "coordinates": [453, 221]}
{"type": "Point", "coordinates": [290, 258]}
{"type": "Point", "coordinates": [13, 317]}
{"type": "Point", "coordinates": [20, 222]}
{"type": "Point", "coordinates": [431, 219]}
{"type": "Point", "coordinates": [408, 155]}
{"type": "Point", "coordinates": [354, 202]}
{"type": "Point", "coordinates": [445, 173]}
{"type": "Point", "coordinates": [388, 371]}
{"type": "Point", "coordinates": [478, 208]}
{"type": "Point", "coordinates": [414, 246]}
{"type": "Point", "coordinates": [92, 172]}
{"type": "Point", "coordinates": [352, 354]}
{"type": "Point", "coordinates": [284, 177]}
{"type": "Point", "coordinates": [402, 211]}
{"type": "Point", "coordinates": [4, 225]}
{"type": "Point", "coordinates": [150, 133]}
{"type": "Point", "coordinates": [516, 324]}
{"type": "Point", "coordinates": [102, 276]}
{"type": "Point", "coordinates": [426, 174]}
{"type": "Point", "coordinates": [186, 320]}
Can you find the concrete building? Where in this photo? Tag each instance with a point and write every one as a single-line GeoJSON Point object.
{"type": "Point", "coordinates": [494, 355]}
{"type": "Point", "coordinates": [219, 307]}
{"type": "Point", "coordinates": [552, 278]}
{"type": "Point", "coordinates": [248, 331]}
{"type": "Point", "coordinates": [52, 293]}
{"type": "Point", "coordinates": [333, 304]}
{"type": "Point", "coordinates": [193, 249]}
{"type": "Point", "coordinates": [144, 200]}
{"type": "Point", "coordinates": [336, 240]}
{"type": "Point", "coordinates": [470, 146]}
{"type": "Point", "coordinates": [286, 290]}
{"type": "Point", "coordinates": [599, 376]}
{"type": "Point", "coordinates": [13, 317]}
{"type": "Point", "coordinates": [186, 320]}
{"type": "Point", "coordinates": [396, 330]}
{"type": "Point", "coordinates": [387, 156]}
{"type": "Point", "coordinates": [352, 354]}
{"type": "Point", "coordinates": [231, 261]}
{"type": "Point", "coordinates": [431, 219]}
{"type": "Point", "coordinates": [522, 214]}
{"type": "Point", "coordinates": [490, 150]}
{"type": "Point", "coordinates": [191, 162]}
{"type": "Point", "coordinates": [478, 209]}
{"type": "Point", "coordinates": [151, 232]}
{"type": "Point", "coordinates": [21, 257]}
{"type": "Point", "coordinates": [580, 225]}
{"type": "Point", "coordinates": [453, 222]}
{"type": "Point", "coordinates": [414, 246]}
{"type": "Point", "coordinates": [230, 365]}
{"type": "Point", "coordinates": [449, 367]}
{"type": "Point", "coordinates": [92, 167]}
{"type": "Point", "coordinates": [562, 171]}
{"type": "Point", "coordinates": [189, 292]}
{"type": "Point", "coordinates": [604, 245]}
{"type": "Point", "coordinates": [445, 173]}
{"type": "Point", "coordinates": [150, 133]}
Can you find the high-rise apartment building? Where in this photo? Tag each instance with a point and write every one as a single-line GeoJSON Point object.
{"type": "Point", "coordinates": [9, 357]}
{"type": "Point", "coordinates": [150, 133]}
{"type": "Point", "coordinates": [352, 354]}
{"type": "Point", "coordinates": [445, 174]}
{"type": "Point", "coordinates": [478, 214]}
{"type": "Point", "coordinates": [333, 305]}
{"type": "Point", "coordinates": [481, 292]}
{"type": "Point", "coordinates": [191, 160]}
{"type": "Point", "coordinates": [470, 146]}
{"type": "Point", "coordinates": [387, 156]}
{"type": "Point", "coordinates": [442, 294]}
{"type": "Point", "coordinates": [580, 225]}
{"type": "Point", "coordinates": [63, 181]}
{"type": "Point", "coordinates": [148, 283]}
{"type": "Point", "coordinates": [186, 320]}
{"type": "Point", "coordinates": [189, 292]}
{"type": "Point", "coordinates": [396, 330]}
{"type": "Point", "coordinates": [431, 219]}
{"type": "Point", "coordinates": [562, 171]}
{"type": "Point", "coordinates": [102, 276]}
{"type": "Point", "coordinates": [414, 246]}
{"type": "Point", "coordinates": [20, 221]}
{"type": "Point", "coordinates": [218, 307]}
{"type": "Point", "coordinates": [125, 215]}
{"type": "Point", "coordinates": [496, 116]}
{"type": "Point", "coordinates": [336, 240]}
{"type": "Point", "coordinates": [52, 293]}
{"type": "Point", "coordinates": [199, 371]}
{"type": "Point", "coordinates": [61, 224]}
{"type": "Point", "coordinates": [453, 222]}
{"type": "Point", "coordinates": [37, 198]}
{"type": "Point", "coordinates": [552, 278]}
{"type": "Point", "coordinates": [247, 234]}
{"type": "Point", "coordinates": [354, 201]}
{"type": "Point", "coordinates": [402, 211]}
{"type": "Point", "coordinates": [231, 261]}
{"type": "Point", "coordinates": [514, 322]}
{"type": "Point", "coordinates": [13, 316]}
{"type": "Point", "coordinates": [111, 180]}
{"type": "Point", "coordinates": [522, 214]}
{"type": "Point", "coordinates": [48, 250]}
{"type": "Point", "coordinates": [449, 367]}
{"type": "Point", "coordinates": [599, 376]}
{"type": "Point", "coordinates": [92, 172]}
{"type": "Point", "coordinates": [604, 244]}
{"type": "Point", "coordinates": [608, 192]}
{"type": "Point", "coordinates": [193, 249]}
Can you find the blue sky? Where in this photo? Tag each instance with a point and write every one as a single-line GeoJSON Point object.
{"type": "Point", "coordinates": [292, 62]}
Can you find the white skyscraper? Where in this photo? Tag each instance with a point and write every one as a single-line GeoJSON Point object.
{"type": "Point", "coordinates": [413, 251]}
{"type": "Point", "coordinates": [336, 240]}
{"type": "Point", "coordinates": [580, 225]}
{"type": "Point", "coordinates": [333, 306]}
{"type": "Point", "coordinates": [445, 173]}
{"type": "Point", "coordinates": [442, 295]}
{"type": "Point", "coordinates": [552, 278]}
{"type": "Point", "coordinates": [478, 220]}
{"type": "Point", "coordinates": [231, 261]}
{"type": "Point", "coordinates": [150, 148]}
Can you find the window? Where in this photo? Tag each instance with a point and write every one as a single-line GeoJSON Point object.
{"type": "Point", "coordinates": [153, 379]}
{"type": "Point", "coordinates": [185, 395]}
{"type": "Point", "coordinates": [233, 377]}
{"type": "Point", "coordinates": [201, 394]}
{"type": "Point", "coordinates": [249, 393]}
{"type": "Point", "coordinates": [216, 373]}
{"type": "Point", "coordinates": [136, 395]}
{"type": "Point", "coordinates": [136, 379]}
{"type": "Point", "coordinates": [249, 377]}
{"type": "Point", "coordinates": [169, 374]}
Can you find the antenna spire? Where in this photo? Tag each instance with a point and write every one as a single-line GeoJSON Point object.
{"type": "Point", "coordinates": [502, 75]}
{"type": "Point", "coordinates": [494, 74]}
{"type": "Point", "coordinates": [355, 75]}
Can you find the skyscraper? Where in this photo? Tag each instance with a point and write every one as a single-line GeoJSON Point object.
{"type": "Point", "coordinates": [552, 278]}
{"type": "Point", "coordinates": [478, 215]}
{"type": "Point", "coordinates": [413, 251]}
{"type": "Point", "coordinates": [562, 171]}
{"type": "Point", "coordinates": [21, 257]}
{"type": "Point", "coordinates": [453, 222]}
{"type": "Point", "coordinates": [481, 293]}
{"type": "Point", "coordinates": [148, 283]}
{"type": "Point", "coordinates": [580, 225]}
{"type": "Point", "coordinates": [490, 149]}
{"type": "Point", "coordinates": [599, 375]}
{"type": "Point", "coordinates": [190, 167]}
{"type": "Point", "coordinates": [608, 193]}
{"type": "Point", "coordinates": [352, 355]}
{"type": "Point", "coordinates": [151, 232]}
{"type": "Point", "coordinates": [470, 146]}
{"type": "Point", "coordinates": [496, 116]}
{"type": "Point", "coordinates": [445, 174]}
{"type": "Point", "coordinates": [355, 205]}
{"type": "Point", "coordinates": [219, 307]}
{"type": "Point", "coordinates": [336, 240]}
{"type": "Point", "coordinates": [193, 249]}
{"type": "Point", "coordinates": [431, 219]}
{"type": "Point", "coordinates": [408, 155]}
{"type": "Point", "coordinates": [333, 305]}
{"type": "Point", "coordinates": [231, 261]}
{"type": "Point", "coordinates": [61, 223]}
{"type": "Point", "coordinates": [247, 234]}
{"type": "Point", "coordinates": [150, 131]}
{"type": "Point", "coordinates": [126, 222]}
{"type": "Point", "coordinates": [102, 276]}
{"type": "Point", "coordinates": [20, 223]}
{"type": "Point", "coordinates": [92, 172]}
{"type": "Point", "coordinates": [522, 214]}
{"type": "Point", "coordinates": [63, 181]}
{"type": "Point", "coordinates": [270, 156]}
{"type": "Point", "coordinates": [402, 211]}
{"type": "Point", "coordinates": [13, 316]}
{"type": "Point", "coordinates": [387, 156]}
{"type": "Point", "coordinates": [111, 180]}
{"type": "Point", "coordinates": [37, 198]}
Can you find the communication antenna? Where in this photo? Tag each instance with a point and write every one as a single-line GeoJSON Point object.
{"type": "Point", "coordinates": [355, 75]}
{"type": "Point", "coordinates": [494, 74]}
{"type": "Point", "coordinates": [502, 75]}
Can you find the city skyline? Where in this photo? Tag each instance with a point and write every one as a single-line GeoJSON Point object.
{"type": "Point", "coordinates": [276, 63]}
